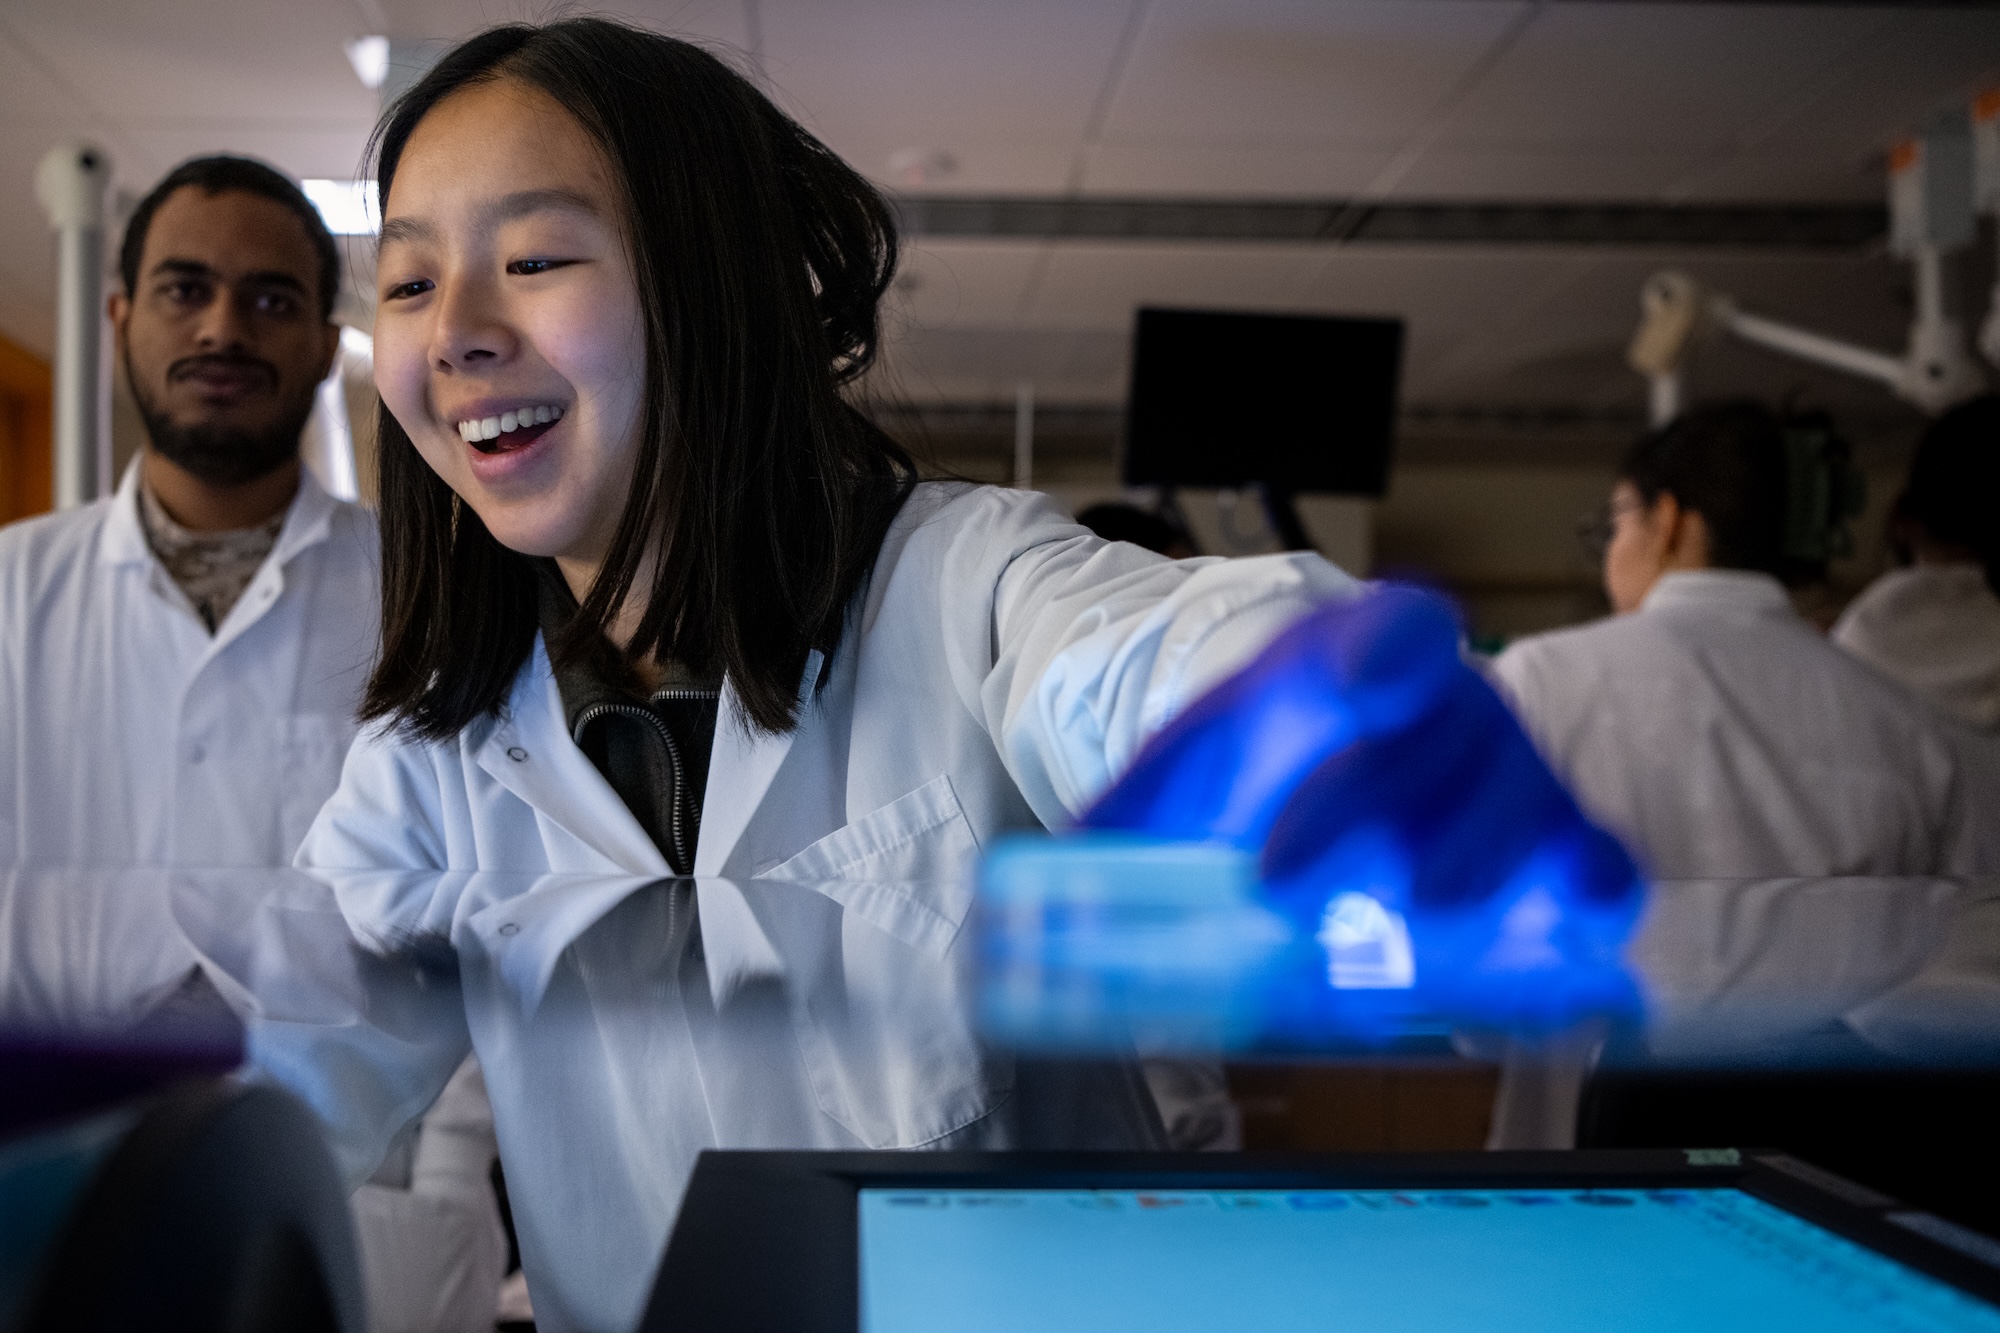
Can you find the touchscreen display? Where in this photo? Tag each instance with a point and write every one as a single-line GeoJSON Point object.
{"type": "Point", "coordinates": [1417, 1261]}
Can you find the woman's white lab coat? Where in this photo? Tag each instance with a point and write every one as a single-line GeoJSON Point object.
{"type": "Point", "coordinates": [1003, 666]}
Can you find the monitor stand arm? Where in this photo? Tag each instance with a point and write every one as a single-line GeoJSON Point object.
{"type": "Point", "coordinates": [1283, 516]}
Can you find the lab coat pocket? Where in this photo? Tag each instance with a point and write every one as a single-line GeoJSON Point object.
{"type": "Point", "coordinates": [888, 1036]}
{"type": "Point", "coordinates": [905, 868]}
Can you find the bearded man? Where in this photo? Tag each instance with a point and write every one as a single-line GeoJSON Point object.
{"type": "Point", "coordinates": [180, 663]}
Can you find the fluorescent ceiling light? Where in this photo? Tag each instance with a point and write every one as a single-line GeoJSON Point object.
{"type": "Point", "coordinates": [347, 207]}
{"type": "Point", "coordinates": [370, 58]}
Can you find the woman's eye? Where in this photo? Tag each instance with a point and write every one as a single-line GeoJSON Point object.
{"type": "Point", "coordinates": [403, 291]}
{"type": "Point", "coordinates": [522, 268]}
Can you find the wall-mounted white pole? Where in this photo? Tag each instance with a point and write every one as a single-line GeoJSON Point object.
{"type": "Point", "coordinates": [70, 184]}
{"type": "Point", "coordinates": [1024, 435]}
{"type": "Point", "coordinates": [1663, 398]}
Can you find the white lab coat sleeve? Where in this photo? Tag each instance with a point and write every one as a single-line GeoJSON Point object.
{"type": "Point", "coordinates": [10, 733]}
{"type": "Point", "coordinates": [388, 810]}
{"type": "Point", "coordinates": [1972, 842]}
{"type": "Point", "coordinates": [1090, 647]}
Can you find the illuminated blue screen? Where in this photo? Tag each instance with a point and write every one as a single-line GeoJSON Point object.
{"type": "Point", "coordinates": [1713, 1260]}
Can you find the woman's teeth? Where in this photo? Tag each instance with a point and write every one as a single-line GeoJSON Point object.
{"type": "Point", "coordinates": [492, 428]}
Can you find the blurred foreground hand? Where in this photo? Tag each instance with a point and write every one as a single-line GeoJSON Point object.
{"type": "Point", "coordinates": [1352, 830]}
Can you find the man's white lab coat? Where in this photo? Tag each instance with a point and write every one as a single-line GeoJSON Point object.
{"type": "Point", "coordinates": [1003, 666]}
{"type": "Point", "coordinates": [131, 736]}
{"type": "Point", "coordinates": [1723, 737]}
{"type": "Point", "coordinates": [1936, 629]}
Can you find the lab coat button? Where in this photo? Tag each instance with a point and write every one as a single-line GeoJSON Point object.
{"type": "Point", "coordinates": [510, 929]}
{"type": "Point", "coordinates": [517, 754]}
{"type": "Point", "coordinates": [196, 754]}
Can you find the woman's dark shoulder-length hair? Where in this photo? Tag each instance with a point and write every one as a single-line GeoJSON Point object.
{"type": "Point", "coordinates": [763, 494]}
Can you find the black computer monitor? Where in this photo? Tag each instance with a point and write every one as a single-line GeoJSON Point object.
{"type": "Point", "coordinates": [1297, 403]}
{"type": "Point", "coordinates": [1717, 1240]}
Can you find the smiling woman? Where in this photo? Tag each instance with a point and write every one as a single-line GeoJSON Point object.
{"type": "Point", "coordinates": [638, 547]}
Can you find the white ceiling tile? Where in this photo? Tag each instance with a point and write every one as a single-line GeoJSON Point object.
{"type": "Point", "coordinates": [1926, 63]}
{"type": "Point", "coordinates": [1240, 70]}
{"type": "Point", "coordinates": [719, 22]}
{"type": "Point", "coordinates": [982, 163]}
{"type": "Point", "coordinates": [1670, 75]}
{"type": "Point", "coordinates": [30, 96]}
{"type": "Point", "coordinates": [942, 282]}
{"type": "Point", "coordinates": [200, 58]}
{"type": "Point", "coordinates": [1452, 300]}
{"type": "Point", "coordinates": [1097, 285]}
{"type": "Point", "coordinates": [925, 74]}
{"type": "Point", "coordinates": [326, 149]}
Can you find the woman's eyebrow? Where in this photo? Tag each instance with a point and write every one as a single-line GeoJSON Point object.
{"type": "Point", "coordinates": [507, 208]}
{"type": "Point", "coordinates": [405, 229]}
{"type": "Point", "coordinates": [522, 203]}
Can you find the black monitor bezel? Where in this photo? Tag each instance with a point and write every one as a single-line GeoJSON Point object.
{"type": "Point", "coordinates": [769, 1240]}
{"type": "Point", "coordinates": [1217, 324]}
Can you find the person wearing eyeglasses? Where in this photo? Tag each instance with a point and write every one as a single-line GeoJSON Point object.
{"type": "Point", "coordinates": [1706, 720]}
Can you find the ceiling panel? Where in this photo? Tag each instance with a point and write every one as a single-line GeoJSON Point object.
{"type": "Point", "coordinates": [1099, 286]}
{"type": "Point", "coordinates": [30, 96]}
{"type": "Point", "coordinates": [199, 58]}
{"type": "Point", "coordinates": [872, 77]}
{"type": "Point", "coordinates": [1448, 299]}
{"type": "Point", "coordinates": [981, 162]}
{"type": "Point", "coordinates": [322, 149]}
{"type": "Point", "coordinates": [720, 22]}
{"type": "Point", "coordinates": [1244, 70]}
{"type": "Point", "coordinates": [1670, 75]}
{"type": "Point", "coordinates": [1928, 62]}
{"type": "Point", "coordinates": [941, 283]}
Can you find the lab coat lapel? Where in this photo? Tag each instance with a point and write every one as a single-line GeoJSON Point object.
{"type": "Point", "coordinates": [740, 770]}
{"type": "Point", "coordinates": [530, 753]}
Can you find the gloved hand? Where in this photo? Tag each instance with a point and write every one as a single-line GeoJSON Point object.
{"type": "Point", "coordinates": [1359, 752]}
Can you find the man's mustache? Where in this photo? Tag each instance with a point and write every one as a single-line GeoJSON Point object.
{"type": "Point", "coordinates": [195, 365]}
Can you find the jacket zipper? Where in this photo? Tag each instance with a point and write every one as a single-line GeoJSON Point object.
{"type": "Point", "coordinates": [676, 829]}
{"type": "Point", "coordinates": [683, 695]}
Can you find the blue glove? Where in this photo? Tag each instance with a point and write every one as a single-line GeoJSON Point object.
{"type": "Point", "coordinates": [1360, 754]}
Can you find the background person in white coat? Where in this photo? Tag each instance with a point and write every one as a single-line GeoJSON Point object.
{"type": "Point", "coordinates": [1933, 623]}
{"type": "Point", "coordinates": [182, 662]}
{"type": "Point", "coordinates": [1706, 721]}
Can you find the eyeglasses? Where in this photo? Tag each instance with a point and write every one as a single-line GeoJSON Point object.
{"type": "Point", "coordinates": [1596, 528]}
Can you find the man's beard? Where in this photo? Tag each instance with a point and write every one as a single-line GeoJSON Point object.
{"type": "Point", "coordinates": [223, 455]}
